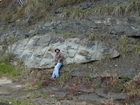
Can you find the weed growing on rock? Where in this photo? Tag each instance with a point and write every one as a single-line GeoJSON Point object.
{"type": "Point", "coordinates": [60, 3]}
{"type": "Point", "coordinates": [126, 79]}
{"type": "Point", "coordinates": [88, 78]}
{"type": "Point", "coordinates": [137, 49]}
{"type": "Point", "coordinates": [34, 10]}
{"type": "Point", "coordinates": [118, 10]}
{"type": "Point", "coordinates": [4, 27]}
{"type": "Point", "coordinates": [6, 51]}
{"type": "Point", "coordinates": [39, 86]}
{"type": "Point", "coordinates": [64, 78]}
{"type": "Point", "coordinates": [123, 46]}
{"type": "Point", "coordinates": [107, 57]}
{"type": "Point", "coordinates": [104, 38]}
{"type": "Point", "coordinates": [103, 10]}
{"type": "Point", "coordinates": [35, 94]}
{"type": "Point", "coordinates": [44, 95]}
{"type": "Point", "coordinates": [67, 35]}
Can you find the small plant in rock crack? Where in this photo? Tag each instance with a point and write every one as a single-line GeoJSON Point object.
{"type": "Point", "coordinates": [126, 79]}
{"type": "Point", "coordinates": [88, 78]}
{"type": "Point", "coordinates": [94, 86]}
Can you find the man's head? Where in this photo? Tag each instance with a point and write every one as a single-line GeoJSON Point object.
{"type": "Point", "coordinates": [57, 50]}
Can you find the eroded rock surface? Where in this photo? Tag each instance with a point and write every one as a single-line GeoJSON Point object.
{"type": "Point", "coordinates": [7, 87]}
{"type": "Point", "coordinates": [38, 51]}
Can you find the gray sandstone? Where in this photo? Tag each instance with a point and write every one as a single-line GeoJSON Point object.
{"type": "Point", "coordinates": [38, 51]}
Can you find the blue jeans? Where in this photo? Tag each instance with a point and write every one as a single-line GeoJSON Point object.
{"type": "Point", "coordinates": [56, 70]}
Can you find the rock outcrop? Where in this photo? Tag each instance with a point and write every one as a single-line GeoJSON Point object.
{"type": "Point", "coordinates": [38, 51]}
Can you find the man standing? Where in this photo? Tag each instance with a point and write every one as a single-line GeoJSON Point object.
{"type": "Point", "coordinates": [58, 63]}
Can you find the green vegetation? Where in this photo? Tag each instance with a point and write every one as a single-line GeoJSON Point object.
{"type": "Point", "coordinates": [126, 79]}
{"type": "Point", "coordinates": [63, 79]}
{"type": "Point", "coordinates": [67, 2]}
{"type": "Point", "coordinates": [123, 45]}
{"type": "Point", "coordinates": [8, 70]}
{"type": "Point", "coordinates": [35, 10]}
{"type": "Point", "coordinates": [35, 94]}
{"type": "Point", "coordinates": [88, 78]}
{"type": "Point", "coordinates": [7, 58]}
{"type": "Point", "coordinates": [137, 49]}
{"type": "Point", "coordinates": [117, 10]}
{"type": "Point", "coordinates": [17, 102]}
{"type": "Point", "coordinates": [67, 35]}
{"type": "Point", "coordinates": [44, 95]}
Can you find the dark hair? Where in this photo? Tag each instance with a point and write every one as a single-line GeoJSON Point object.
{"type": "Point", "coordinates": [57, 49]}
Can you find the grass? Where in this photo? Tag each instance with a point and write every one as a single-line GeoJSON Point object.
{"type": "Point", "coordinates": [17, 102]}
{"type": "Point", "coordinates": [4, 27]}
{"type": "Point", "coordinates": [103, 37]}
{"type": "Point", "coordinates": [61, 3]}
{"type": "Point", "coordinates": [137, 49]}
{"type": "Point", "coordinates": [122, 46]}
{"type": "Point", "coordinates": [103, 10]}
{"type": "Point", "coordinates": [34, 10]}
{"type": "Point", "coordinates": [6, 58]}
{"type": "Point", "coordinates": [67, 35]}
{"type": "Point", "coordinates": [88, 78]}
{"type": "Point", "coordinates": [126, 79]}
{"type": "Point", "coordinates": [6, 53]}
{"type": "Point", "coordinates": [117, 10]}
{"type": "Point", "coordinates": [63, 79]}
{"type": "Point", "coordinates": [35, 94]}
{"type": "Point", "coordinates": [8, 70]}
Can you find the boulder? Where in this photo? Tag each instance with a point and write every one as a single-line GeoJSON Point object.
{"type": "Point", "coordinates": [38, 51]}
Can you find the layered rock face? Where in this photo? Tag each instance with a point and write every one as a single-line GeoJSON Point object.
{"type": "Point", "coordinates": [38, 51]}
